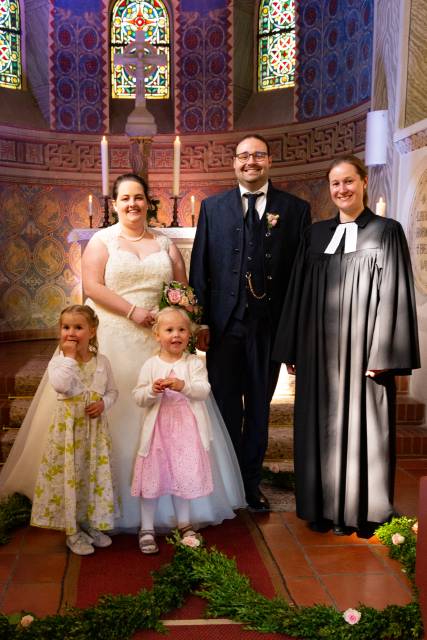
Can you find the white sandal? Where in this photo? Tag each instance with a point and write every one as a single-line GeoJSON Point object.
{"type": "Point", "coordinates": [147, 542]}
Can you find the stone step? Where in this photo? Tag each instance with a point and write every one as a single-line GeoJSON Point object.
{"type": "Point", "coordinates": [17, 411]}
{"type": "Point", "coordinates": [409, 412]}
{"type": "Point", "coordinates": [28, 377]}
{"type": "Point", "coordinates": [7, 438]}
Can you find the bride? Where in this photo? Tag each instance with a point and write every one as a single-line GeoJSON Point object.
{"type": "Point", "coordinates": [124, 268]}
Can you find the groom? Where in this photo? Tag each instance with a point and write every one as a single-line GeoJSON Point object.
{"type": "Point", "coordinates": [241, 261]}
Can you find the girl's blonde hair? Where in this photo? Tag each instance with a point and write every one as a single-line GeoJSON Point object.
{"type": "Point", "coordinates": [92, 320]}
{"type": "Point", "coordinates": [164, 312]}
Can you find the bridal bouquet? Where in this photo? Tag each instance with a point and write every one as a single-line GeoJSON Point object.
{"type": "Point", "coordinates": [176, 294]}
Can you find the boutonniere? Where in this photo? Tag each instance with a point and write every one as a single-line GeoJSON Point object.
{"type": "Point", "coordinates": [272, 220]}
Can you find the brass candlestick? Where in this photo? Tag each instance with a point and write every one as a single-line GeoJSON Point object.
{"type": "Point", "coordinates": [175, 222]}
{"type": "Point", "coordinates": [106, 219]}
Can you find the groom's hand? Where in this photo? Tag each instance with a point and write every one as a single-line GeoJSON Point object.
{"type": "Point", "coordinates": [203, 338]}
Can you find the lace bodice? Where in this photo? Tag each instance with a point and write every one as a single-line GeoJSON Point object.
{"type": "Point", "coordinates": [139, 281]}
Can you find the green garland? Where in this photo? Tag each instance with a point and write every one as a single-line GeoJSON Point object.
{"type": "Point", "coordinates": [15, 512]}
{"type": "Point", "coordinates": [215, 577]}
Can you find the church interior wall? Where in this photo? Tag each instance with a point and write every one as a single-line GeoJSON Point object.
{"type": "Point", "coordinates": [412, 199]}
{"type": "Point", "coordinates": [48, 175]}
{"type": "Point", "coordinates": [335, 43]}
{"type": "Point", "coordinates": [403, 179]}
{"type": "Point", "coordinates": [416, 86]}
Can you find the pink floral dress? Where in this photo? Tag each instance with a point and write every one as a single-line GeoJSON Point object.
{"type": "Point", "coordinates": [177, 463]}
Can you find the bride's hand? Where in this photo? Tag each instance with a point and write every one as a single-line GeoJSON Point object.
{"type": "Point", "coordinates": [143, 317]}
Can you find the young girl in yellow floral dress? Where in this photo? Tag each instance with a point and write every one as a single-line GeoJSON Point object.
{"type": "Point", "coordinates": [74, 489]}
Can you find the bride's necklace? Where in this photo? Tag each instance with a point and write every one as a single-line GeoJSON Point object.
{"type": "Point", "coordinates": [133, 239]}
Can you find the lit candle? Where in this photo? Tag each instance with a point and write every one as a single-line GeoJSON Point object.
{"type": "Point", "coordinates": [104, 166]}
{"type": "Point", "coordinates": [176, 165]}
{"type": "Point", "coordinates": [90, 210]}
{"type": "Point", "coordinates": [380, 207]}
{"type": "Point", "coordinates": [192, 199]}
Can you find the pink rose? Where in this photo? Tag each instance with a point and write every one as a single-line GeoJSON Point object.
{"type": "Point", "coordinates": [352, 616]}
{"type": "Point", "coordinates": [396, 538]}
{"type": "Point", "coordinates": [415, 527]}
{"type": "Point", "coordinates": [26, 621]}
{"type": "Point", "coordinates": [174, 296]}
{"type": "Point", "coordinates": [191, 541]}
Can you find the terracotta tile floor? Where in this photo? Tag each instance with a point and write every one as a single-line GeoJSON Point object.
{"type": "Point", "coordinates": [316, 568]}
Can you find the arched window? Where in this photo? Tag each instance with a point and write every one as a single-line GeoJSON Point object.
{"type": "Point", "coordinates": [276, 44]}
{"type": "Point", "coordinates": [127, 17]}
{"type": "Point", "coordinates": [10, 45]}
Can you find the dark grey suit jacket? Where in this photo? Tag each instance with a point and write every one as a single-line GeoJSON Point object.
{"type": "Point", "coordinates": [217, 256]}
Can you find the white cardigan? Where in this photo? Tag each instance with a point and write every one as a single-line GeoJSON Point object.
{"type": "Point", "coordinates": [197, 388]}
{"type": "Point", "coordinates": [65, 378]}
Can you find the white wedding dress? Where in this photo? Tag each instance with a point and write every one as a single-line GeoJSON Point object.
{"type": "Point", "coordinates": [127, 346]}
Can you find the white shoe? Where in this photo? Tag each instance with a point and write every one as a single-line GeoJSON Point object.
{"type": "Point", "coordinates": [98, 538]}
{"type": "Point", "coordinates": [78, 543]}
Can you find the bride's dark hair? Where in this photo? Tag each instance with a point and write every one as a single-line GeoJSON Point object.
{"type": "Point", "coordinates": [129, 176]}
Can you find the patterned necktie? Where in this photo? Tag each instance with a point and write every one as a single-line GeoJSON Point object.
{"type": "Point", "coordinates": [252, 217]}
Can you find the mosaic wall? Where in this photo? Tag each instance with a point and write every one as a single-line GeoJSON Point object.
{"type": "Point", "coordinates": [335, 47]}
{"type": "Point", "coordinates": [78, 73]}
{"type": "Point", "coordinates": [203, 69]}
{"type": "Point", "coordinates": [40, 270]}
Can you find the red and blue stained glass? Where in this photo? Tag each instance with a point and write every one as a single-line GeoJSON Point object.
{"type": "Point", "coordinates": [276, 44]}
{"type": "Point", "coordinates": [10, 45]}
{"type": "Point", "coordinates": [128, 17]}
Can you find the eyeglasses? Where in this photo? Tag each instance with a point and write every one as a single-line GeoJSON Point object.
{"type": "Point", "coordinates": [256, 155]}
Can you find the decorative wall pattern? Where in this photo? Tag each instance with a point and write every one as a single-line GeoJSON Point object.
{"type": "Point", "coordinates": [39, 270]}
{"type": "Point", "coordinates": [78, 55]}
{"type": "Point", "coordinates": [292, 145]}
{"type": "Point", "coordinates": [335, 56]}
{"type": "Point", "coordinates": [203, 90]}
{"type": "Point", "coordinates": [411, 143]}
{"type": "Point", "coordinates": [416, 95]}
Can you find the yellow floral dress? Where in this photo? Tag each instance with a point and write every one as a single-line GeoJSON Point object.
{"type": "Point", "coordinates": [75, 480]}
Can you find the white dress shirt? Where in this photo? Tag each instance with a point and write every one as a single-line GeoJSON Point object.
{"type": "Point", "coordinates": [260, 203]}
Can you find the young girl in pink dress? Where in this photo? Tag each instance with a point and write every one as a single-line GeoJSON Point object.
{"type": "Point", "coordinates": [176, 465]}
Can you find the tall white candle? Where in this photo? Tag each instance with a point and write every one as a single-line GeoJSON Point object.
{"type": "Point", "coordinates": [176, 165]}
{"type": "Point", "coordinates": [380, 207]}
{"type": "Point", "coordinates": [192, 205]}
{"type": "Point", "coordinates": [104, 166]}
{"type": "Point", "coordinates": [90, 210]}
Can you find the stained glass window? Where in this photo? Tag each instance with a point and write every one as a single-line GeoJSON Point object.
{"type": "Point", "coordinates": [276, 44]}
{"type": "Point", "coordinates": [10, 45]}
{"type": "Point", "coordinates": [128, 17]}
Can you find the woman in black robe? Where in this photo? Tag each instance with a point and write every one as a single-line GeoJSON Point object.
{"type": "Point", "coordinates": [348, 327]}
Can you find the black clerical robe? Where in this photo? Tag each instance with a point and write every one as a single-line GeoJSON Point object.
{"type": "Point", "coordinates": [346, 313]}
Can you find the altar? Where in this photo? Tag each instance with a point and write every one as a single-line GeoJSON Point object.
{"type": "Point", "coordinates": [183, 237]}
